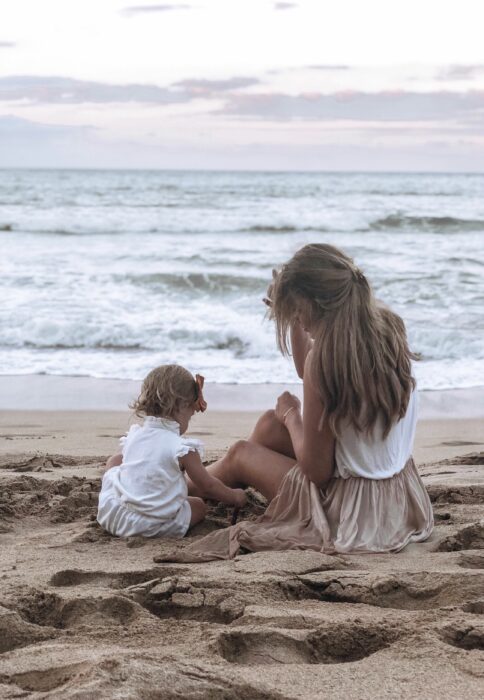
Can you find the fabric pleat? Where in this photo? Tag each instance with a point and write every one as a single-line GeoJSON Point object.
{"type": "Point", "coordinates": [347, 516]}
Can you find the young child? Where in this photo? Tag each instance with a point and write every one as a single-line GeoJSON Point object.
{"type": "Point", "coordinates": [144, 491]}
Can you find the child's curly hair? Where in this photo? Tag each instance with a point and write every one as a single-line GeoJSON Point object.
{"type": "Point", "coordinates": [165, 391]}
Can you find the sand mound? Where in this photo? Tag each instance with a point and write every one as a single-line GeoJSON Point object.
{"type": "Point", "coordinates": [87, 615]}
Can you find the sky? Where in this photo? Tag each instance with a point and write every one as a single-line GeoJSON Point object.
{"type": "Point", "coordinates": [243, 84]}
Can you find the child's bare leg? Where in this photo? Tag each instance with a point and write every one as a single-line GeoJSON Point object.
{"type": "Point", "coordinates": [199, 510]}
{"type": "Point", "coordinates": [114, 461]}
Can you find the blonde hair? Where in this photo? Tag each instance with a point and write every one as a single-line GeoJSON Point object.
{"type": "Point", "coordinates": [361, 361]}
{"type": "Point", "coordinates": [165, 391]}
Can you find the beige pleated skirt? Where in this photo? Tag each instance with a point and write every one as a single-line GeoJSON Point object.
{"type": "Point", "coordinates": [348, 516]}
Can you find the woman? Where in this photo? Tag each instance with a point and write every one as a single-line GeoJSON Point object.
{"type": "Point", "coordinates": [340, 475]}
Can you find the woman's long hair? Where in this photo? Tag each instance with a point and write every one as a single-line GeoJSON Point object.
{"type": "Point", "coordinates": [361, 359]}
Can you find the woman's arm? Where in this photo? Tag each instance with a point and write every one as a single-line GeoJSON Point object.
{"type": "Point", "coordinates": [301, 344]}
{"type": "Point", "coordinates": [314, 448]}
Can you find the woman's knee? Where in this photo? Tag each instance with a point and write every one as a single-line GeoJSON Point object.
{"type": "Point", "coordinates": [268, 418]}
{"type": "Point", "coordinates": [270, 432]}
{"type": "Point", "coordinates": [235, 454]}
{"type": "Point", "coordinates": [265, 425]}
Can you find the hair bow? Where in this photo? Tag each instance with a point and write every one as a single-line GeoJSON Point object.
{"type": "Point", "coordinates": [200, 403]}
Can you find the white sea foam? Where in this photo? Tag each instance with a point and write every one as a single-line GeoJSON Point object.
{"type": "Point", "coordinates": [109, 273]}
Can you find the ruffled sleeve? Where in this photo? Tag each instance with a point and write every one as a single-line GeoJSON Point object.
{"type": "Point", "coordinates": [187, 445]}
{"type": "Point", "coordinates": [122, 440]}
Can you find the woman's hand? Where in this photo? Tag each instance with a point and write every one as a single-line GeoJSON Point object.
{"type": "Point", "coordinates": [286, 403]}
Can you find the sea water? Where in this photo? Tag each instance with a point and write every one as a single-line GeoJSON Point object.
{"type": "Point", "coordinates": [109, 273]}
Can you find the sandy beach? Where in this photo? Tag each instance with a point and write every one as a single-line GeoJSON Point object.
{"type": "Point", "coordinates": [255, 192]}
{"type": "Point", "coordinates": [85, 615]}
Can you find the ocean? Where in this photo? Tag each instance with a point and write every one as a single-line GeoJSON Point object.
{"type": "Point", "coordinates": [109, 273]}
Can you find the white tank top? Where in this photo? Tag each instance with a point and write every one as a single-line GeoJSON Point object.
{"type": "Point", "coordinates": [373, 457]}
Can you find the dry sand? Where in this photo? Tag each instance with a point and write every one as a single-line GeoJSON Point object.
{"type": "Point", "coordinates": [86, 615]}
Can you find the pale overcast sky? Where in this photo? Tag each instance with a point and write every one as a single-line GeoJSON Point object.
{"type": "Point", "coordinates": [309, 84]}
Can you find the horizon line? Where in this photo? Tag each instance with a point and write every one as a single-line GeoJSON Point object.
{"type": "Point", "coordinates": [268, 171]}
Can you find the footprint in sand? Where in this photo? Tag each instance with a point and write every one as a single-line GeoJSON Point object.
{"type": "Point", "coordinates": [144, 578]}
{"type": "Point", "coordinates": [50, 679]}
{"type": "Point", "coordinates": [336, 643]}
{"type": "Point", "coordinates": [48, 609]}
{"type": "Point", "coordinates": [476, 608]}
{"type": "Point", "coordinates": [17, 632]}
{"type": "Point", "coordinates": [464, 636]}
{"type": "Point", "coordinates": [467, 537]}
{"type": "Point", "coordinates": [455, 494]}
{"type": "Point", "coordinates": [406, 591]}
{"type": "Point", "coordinates": [471, 560]}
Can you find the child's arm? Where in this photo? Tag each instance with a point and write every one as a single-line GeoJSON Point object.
{"type": "Point", "coordinates": [114, 461]}
{"type": "Point", "coordinates": [208, 485]}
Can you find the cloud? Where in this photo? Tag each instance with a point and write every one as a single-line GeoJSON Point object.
{"type": "Point", "coordinates": [57, 90]}
{"type": "Point", "coordinates": [460, 72]}
{"type": "Point", "coordinates": [317, 67]}
{"type": "Point", "coordinates": [144, 9]}
{"type": "Point", "coordinates": [7, 44]}
{"type": "Point", "coordinates": [284, 5]}
{"type": "Point", "coordinates": [201, 87]}
{"type": "Point", "coordinates": [328, 67]}
{"type": "Point", "coordinates": [359, 106]}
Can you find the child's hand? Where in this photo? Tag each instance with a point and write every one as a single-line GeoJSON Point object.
{"type": "Point", "coordinates": [240, 499]}
{"type": "Point", "coordinates": [209, 486]}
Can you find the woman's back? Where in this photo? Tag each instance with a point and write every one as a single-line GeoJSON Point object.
{"type": "Point", "coordinates": [372, 456]}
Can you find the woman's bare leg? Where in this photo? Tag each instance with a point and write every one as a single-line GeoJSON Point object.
{"type": "Point", "coordinates": [262, 461]}
{"type": "Point", "coordinates": [249, 464]}
{"type": "Point", "coordinates": [271, 433]}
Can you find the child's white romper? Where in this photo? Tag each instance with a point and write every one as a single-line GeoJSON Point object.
{"type": "Point", "coordinates": [147, 494]}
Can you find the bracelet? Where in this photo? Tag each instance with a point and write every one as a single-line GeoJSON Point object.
{"type": "Point", "coordinates": [285, 414]}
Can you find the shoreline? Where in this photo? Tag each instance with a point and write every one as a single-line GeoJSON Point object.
{"type": "Point", "coordinates": [39, 392]}
{"type": "Point", "coordinates": [91, 433]}
{"type": "Point", "coordinates": [84, 416]}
